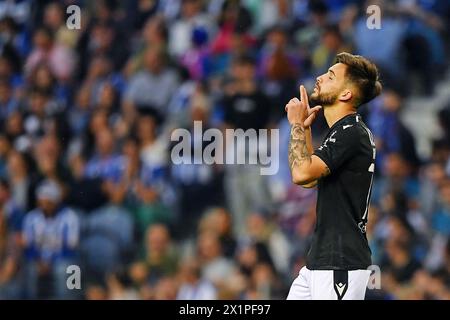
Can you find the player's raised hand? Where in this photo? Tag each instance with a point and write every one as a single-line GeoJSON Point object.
{"type": "Point", "coordinates": [312, 112]}
{"type": "Point", "coordinates": [299, 111]}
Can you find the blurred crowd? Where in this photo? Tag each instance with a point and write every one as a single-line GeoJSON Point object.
{"type": "Point", "coordinates": [86, 176]}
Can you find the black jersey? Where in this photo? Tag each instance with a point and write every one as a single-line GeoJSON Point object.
{"type": "Point", "coordinates": [339, 241]}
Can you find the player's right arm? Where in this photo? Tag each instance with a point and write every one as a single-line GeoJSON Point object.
{"type": "Point", "coordinates": [308, 136]}
{"type": "Point", "coordinates": [306, 168]}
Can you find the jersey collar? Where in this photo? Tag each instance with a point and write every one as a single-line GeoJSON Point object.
{"type": "Point", "coordinates": [354, 115]}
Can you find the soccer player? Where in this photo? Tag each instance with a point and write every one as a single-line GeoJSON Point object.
{"type": "Point", "coordinates": [342, 168]}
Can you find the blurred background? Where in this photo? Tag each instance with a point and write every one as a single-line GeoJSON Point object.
{"type": "Point", "coordinates": [86, 116]}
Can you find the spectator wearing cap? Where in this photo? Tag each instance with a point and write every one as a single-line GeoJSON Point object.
{"type": "Point", "coordinates": [51, 236]}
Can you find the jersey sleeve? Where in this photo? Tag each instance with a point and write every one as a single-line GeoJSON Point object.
{"type": "Point", "coordinates": [340, 146]}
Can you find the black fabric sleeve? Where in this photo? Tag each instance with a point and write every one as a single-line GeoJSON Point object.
{"type": "Point", "coordinates": [341, 145]}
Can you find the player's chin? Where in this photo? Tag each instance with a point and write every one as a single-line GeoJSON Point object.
{"type": "Point", "coordinates": [314, 97]}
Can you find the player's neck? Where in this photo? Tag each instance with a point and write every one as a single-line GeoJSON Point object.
{"type": "Point", "coordinates": [336, 112]}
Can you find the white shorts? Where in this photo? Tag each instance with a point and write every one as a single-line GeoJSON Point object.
{"type": "Point", "coordinates": [329, 285]}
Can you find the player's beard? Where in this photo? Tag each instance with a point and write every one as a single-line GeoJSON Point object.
{"type": "Point", "coordinates": [322, 99]}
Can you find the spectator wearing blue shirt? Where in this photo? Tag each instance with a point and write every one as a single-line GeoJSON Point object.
{"type": "Point", "coordinates": [105, 161]}
{"type": "Point", "coordinates": [8, 104]}
{"type": "Point", "coordinates": [51, 234]}
{"type": "Point", "coordinates": [107, 241]}
{"type": "Point", "coordinates": [389, 131]}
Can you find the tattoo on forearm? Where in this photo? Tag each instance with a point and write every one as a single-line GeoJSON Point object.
{"type": "Point", "coordinates": [298, 150]}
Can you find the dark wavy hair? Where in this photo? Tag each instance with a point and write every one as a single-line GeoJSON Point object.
{"type": "Point", "coordinates": [363, 74]}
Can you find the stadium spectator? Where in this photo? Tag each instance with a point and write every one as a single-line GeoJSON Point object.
{"type": "Point", "coordinates": [11, 219]}
{"type": "Point", "coordinates": [51, 242]}
{"type": "Point", "coordinates": [60, 59]}
{"type": "Point", "coordinates": [193, 285]}
{"type": "Point", "coordinates": [152, 87]}
{"type": "Point", "coordinates": [108, 234]}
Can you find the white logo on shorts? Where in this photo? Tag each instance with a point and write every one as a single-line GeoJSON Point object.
{"type": "Point", "coordinates": [340, 287]}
